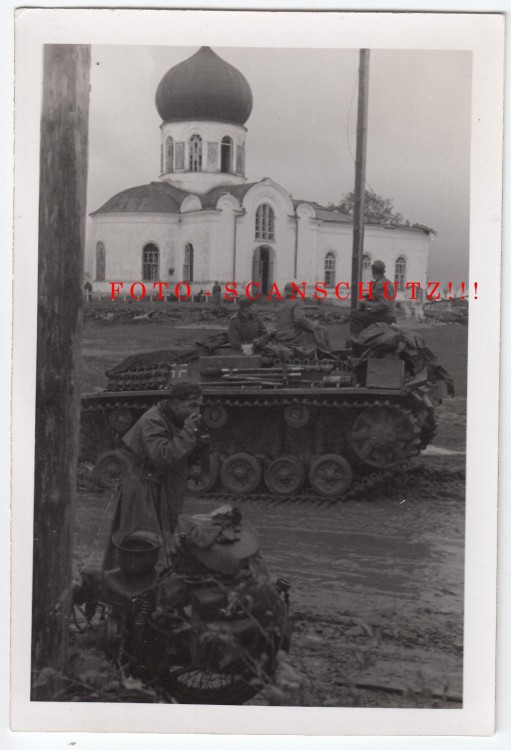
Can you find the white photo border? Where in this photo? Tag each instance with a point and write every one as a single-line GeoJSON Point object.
{"type": "Point", "coordinates": [483, 35]}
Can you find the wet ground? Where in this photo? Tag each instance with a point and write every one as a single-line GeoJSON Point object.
{"type": "Point", "coordinates": [377, 582]}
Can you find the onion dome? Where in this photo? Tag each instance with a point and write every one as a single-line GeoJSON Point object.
{"type": "Point", "coordinates": [204, 87]}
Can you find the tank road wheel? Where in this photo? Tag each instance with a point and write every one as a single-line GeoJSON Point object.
{"type": "Point", "coordinates": [384, 436]}
{"type": "Point", "coordinates": [330, 475]}
{"type": "Point", "coordinates": [240, 474]}
{"type": "Point", "coordinates": [199, 481]}
{"type": "Point", "coordinates": [215, 416]}
{"type": "Point", "coordinates": [296, 415]}
{"type": "Point", "coordinates": [120, 419]}
{"type": "Point", "coordinates": [284, 475]}
{"type": "Point", "coordinates": [110, 468]}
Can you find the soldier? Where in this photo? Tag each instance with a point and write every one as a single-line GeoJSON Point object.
{"type": "Point", "coordinates": [246, 328]}
{"type": "Point", "coordinates": [294, 329]}
{"type": "Point", "coordinates": [216, 294]}
{"type": "Point", "coordinates": [152, 492]}
{"type": "Point", "coordinates": [88, 291]}
{"type": "Point", "coordinates": [378, 309]}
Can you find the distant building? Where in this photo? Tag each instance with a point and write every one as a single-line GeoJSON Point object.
{"type": "Point", "coordinates": [202, 220]}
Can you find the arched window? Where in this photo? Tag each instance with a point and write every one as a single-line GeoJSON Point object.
{"type": "Point", "coordinates": [400, 274]}
{"type": "Point", "coordinates": [100, 261]}
{"type": "Point", "coordinates": [188, 264]}
{"type": "Point", "coordinates": [226, 154]}
{"type": "Point", "coordinates": [169, 154]}
{"type": "Point", "coordinates": [195, 153]}
{"type": "Point", "coordinates": [150, 263]}
{"type": "Point", "coordinates": [265, 223]}
{"type": "Point", "coordinates": [330, 269]}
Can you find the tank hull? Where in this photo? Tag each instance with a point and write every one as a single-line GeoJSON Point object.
{"type": "Point", "coordinates": [273, 441]}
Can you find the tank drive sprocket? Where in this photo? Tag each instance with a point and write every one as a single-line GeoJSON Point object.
{"type": "Point", "coordinates": [385, 435]}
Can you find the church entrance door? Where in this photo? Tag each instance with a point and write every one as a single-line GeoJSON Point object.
{"type": "Point", "coordinates": [262, 268]}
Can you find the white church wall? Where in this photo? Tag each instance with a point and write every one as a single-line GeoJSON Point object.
{"type": "Point", "coordinates": [282, 243]}
{"type": "Point", "coordinates": [336, 238]}
{"type": "Point", "coordinates": [245, 246]}
{"type": "Point", "coordinates": [307, 227]}
{"type": "Point", "coordinates": [124, 237]}
{"type": "Point", "coordinates": [199, 231]}
{"type": "Point", "coordinates": [284, 270]}
{"type": "Point", "coordinates": [381, 244]}
{"type": "Point", "coordinates": [222, 261]}
{"type": "Point", "coordinates": [390, 244]}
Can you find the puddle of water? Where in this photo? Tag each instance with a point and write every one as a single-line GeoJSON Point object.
{"type": "Point", "coordinates": [351, 555]}
{"type": "Point", "coordinates": [435, 450]}
{"type": "Point", "coordinates": [337, 561]}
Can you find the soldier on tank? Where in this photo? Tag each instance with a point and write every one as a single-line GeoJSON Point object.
{"type": "Point", "coordinates": [377, 308]}
{"type": "Point", "coordinates": [294, 329]}
{"type": "Point", "coordinates": [246, 329]}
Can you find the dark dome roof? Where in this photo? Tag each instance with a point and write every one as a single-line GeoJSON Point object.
{"type": "Point", "coordinates": [157, 197]}
{"type": "Point", "coordinates": [204, 87]}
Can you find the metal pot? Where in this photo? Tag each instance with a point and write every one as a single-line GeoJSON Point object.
{"type": "Point", "coordinates": [137, 551]}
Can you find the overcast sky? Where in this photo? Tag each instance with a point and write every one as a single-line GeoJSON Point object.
{"type": "Point", "coordinates": [302, 130]}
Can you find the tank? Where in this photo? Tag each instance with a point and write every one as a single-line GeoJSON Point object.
{"type": "Point", "coordinates": [274, 425]}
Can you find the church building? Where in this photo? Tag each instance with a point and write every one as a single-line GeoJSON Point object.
{"type": "Point", "coordinates": [201, 220]}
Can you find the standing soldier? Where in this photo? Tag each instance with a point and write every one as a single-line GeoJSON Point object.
{"type": "Point", "coordinates": [216, 294]}
{"type": "Point", "coordinates": [88, 291]}
{"type": "Point", "coordinates": [152, 492]}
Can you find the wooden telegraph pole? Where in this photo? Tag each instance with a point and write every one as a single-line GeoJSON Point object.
{"type": "Point", "coordinates": [62, 209]}
{"type": "Point", "coordinates": [360, 175]}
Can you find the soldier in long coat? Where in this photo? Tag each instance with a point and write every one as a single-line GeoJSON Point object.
{"type": "Point", "coordinates": [152, 492]}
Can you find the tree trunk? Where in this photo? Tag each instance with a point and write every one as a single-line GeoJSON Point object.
{"type": "Point", "coordinates": [62, 207]}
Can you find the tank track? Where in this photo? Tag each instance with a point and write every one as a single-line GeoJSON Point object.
{"type": "Point", "coordinates": [269, 401]}
{"type": "Point", "coordinates": [357, 491]}
{"type": "Point", "coordinates": [365, 478]}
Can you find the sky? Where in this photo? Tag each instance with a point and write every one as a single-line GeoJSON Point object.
{"type": "Point", "coordinates": [302, 130]}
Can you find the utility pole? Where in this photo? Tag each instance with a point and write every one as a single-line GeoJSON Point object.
{"type": "Point", "coordinates": [360, 175]}
{"type": "Point", "coordinates": [62, 210]}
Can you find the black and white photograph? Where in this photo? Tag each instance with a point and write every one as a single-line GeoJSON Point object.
{"type": "Point", "coordinates": [256, 363]}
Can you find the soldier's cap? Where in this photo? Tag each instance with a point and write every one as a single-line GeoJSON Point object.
{"type": "Point", "coordinates": [184, 390]}
{"type": "Point", "coordinates": [378, 265]}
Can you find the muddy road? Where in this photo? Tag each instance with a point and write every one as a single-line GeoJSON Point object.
{"type": "Point", "coordinates": [377, 584]}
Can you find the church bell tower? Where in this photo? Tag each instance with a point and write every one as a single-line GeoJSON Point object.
{"type": "Point", "coordinates": [204, 103]}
